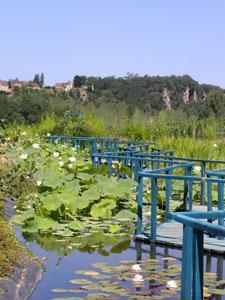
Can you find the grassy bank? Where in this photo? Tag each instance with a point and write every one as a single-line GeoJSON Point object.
{"type": "Point", "coordinates": [12, 253]}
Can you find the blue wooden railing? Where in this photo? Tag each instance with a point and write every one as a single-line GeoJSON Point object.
{"type": "Point", "coordinates": [98, 144]}
{"type": "Point", "coordinates": [159, 164]}
{"type": "Point", "coordinates": [193, 242]}
{"type": "Point", "coordinates": [188, 181]}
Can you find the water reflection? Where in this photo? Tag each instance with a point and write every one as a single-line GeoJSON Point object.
{"type": "Point", "coordinates": [62, 262]}
{"type": "Point", "coordinates": [212, 263]}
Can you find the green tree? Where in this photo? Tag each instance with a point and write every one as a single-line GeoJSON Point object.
{"type": "Point", "coordinates": [215, 103]}
{"type": "Point", "coordinates": [42, 80]}
{"type": "Point", "coordinates": [36, 79]}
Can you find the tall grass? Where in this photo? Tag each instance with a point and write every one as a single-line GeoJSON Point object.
{"type": "Point", "coordinates": [177, 136]}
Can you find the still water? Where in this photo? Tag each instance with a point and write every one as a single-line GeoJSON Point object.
{"type": "Point", "coordinates": [61, 268]}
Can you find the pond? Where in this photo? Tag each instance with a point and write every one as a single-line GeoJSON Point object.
{"type": "Point", "coordinates": [109, 274]}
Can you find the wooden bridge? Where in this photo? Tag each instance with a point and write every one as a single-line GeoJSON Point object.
{"type": "Point", "coordinates": [198, 228]}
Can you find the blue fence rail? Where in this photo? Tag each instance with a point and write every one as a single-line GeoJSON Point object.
{"type": "Point", "coordinates": [193, 242]}
{"type": "Point", "coordinates": [188, 181]}
{"type": "Point", "coordinates": [159, 165]}
{"type": "Point", "coordinates": [98, 144]}
{"type": "Point", "coordinates": [205, 165]}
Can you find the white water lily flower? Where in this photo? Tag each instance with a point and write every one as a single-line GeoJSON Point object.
{"type": "Point", "coordinates": [72, 159]}
{"type": "Point", "coordinates": [197, 169]}
{"type": "Point", "coordinates": [138, 278]}
{"type": "Point", "coordinates": [56, 154]}
{"type": "Point", "coordinates": [136, 267]}
{"type": "Point", "coordinates": [38, 182]}
{"type": "Point", "coordinates": [215, 145]}
{"type": "Point", "coordinates": [61, 163]}
{"type": "Point", "coordinates": [70, 166]}
{"type": "Point", "coordinates": [23, 156]}
{"type": "Point", "coordinates": [171, 284]}
{"type": "Point", "coordinates": [36, 146]}
{"type": "Point", "coordinates": [24, 133]}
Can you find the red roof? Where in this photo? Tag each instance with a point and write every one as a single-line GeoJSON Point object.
{"type": "Point", "coordinates": [59, 85]}
{"type": "Point", "coordinates": [34, 84]}
{"type": "Point", "coordinates": [3, 82]}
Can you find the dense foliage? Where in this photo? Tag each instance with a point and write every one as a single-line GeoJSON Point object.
{"type": "Point", "coordinates": [67, 195]}
{"type": "Point", "coordinates": [117, 100]}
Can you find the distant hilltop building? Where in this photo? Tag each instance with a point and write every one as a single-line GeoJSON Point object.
{"type": "Point", "coordinates": [65, 86]}
{"type": "Point", "coordinates": [166, 98]}
{"type": "Point", "coordinates": [34, 86]}
{"type": "Point", "coordinates": [8, 86]}
{"type": "Point", "coordinates": [18, 83]}
{"type": "Point", "coordinates": [4, 87]}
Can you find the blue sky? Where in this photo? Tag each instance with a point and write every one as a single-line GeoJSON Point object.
{"type": "Point", "coordinates": [112, 37]}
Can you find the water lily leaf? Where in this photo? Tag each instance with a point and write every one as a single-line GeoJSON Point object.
{"type": "Point", "coordinates": [217, 291]}
{"type": "Point", "coordinates": [84, 176]}
{"type": "Point", "coordinates": [98, 296]}
{"type": "Point", "coordinates": [87, 272]}
{"type": "Point", "coordinates": [45, 223]}
{"type": "Point", "coordinates": [91, 194]}
{"type": "Point", "coordinates": [114, 228]}
{"type": "Point", "coordinates": [80, 281]}
{"type": "Point", "coordinates": [69, 177]}
{"type": "Point", "coordinates": [126, 214]}
{"type": "Point", "coordinates": [51, 201]}
{"type": "Point", "coordinates": [52, 178]}
{"type": "Point", "coordinates": [19, 219]}
{"type": "Point", "coordinates": [76, 225]}
{"type": "Point", "coordinates": [65, 291]}
{"type": "Point", "coordinates": [103, 208]}
{"type": "Point", "coordinates": [68, 298]}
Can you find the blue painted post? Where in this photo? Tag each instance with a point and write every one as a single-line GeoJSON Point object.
{"type": "Point", "coordinates": [221, 203]}
{"type": "Point", "coordinates": [153, 208]}
{"type": "Point", "coordinates": [168, 194]}
{"type": "Point", "coordinates": [185, 197]}
{"type": "Point", "coordinates": [190, 189]}
{"type": "Point", "coordinates": [93, 146]}
{"type": "Point", "coordinates": [187, 264]}
{"type": "Point", "coordinates": [197, 293]}
{"type": "Point", "coordinates": [109, 164]}
{"type": "Point", "coordinates": [203, 173]}
{"type": "Point", "coordinates": [209, 197]}
{"type": "Point", "coordinates": [140, 202]}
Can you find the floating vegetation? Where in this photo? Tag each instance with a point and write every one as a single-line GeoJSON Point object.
{"type": "Point", "coordinates": [145, 279]}
{"type": "Point", "coordinates": [126, 280]}
{"type": "Point", "coordinates": [69, 196]}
